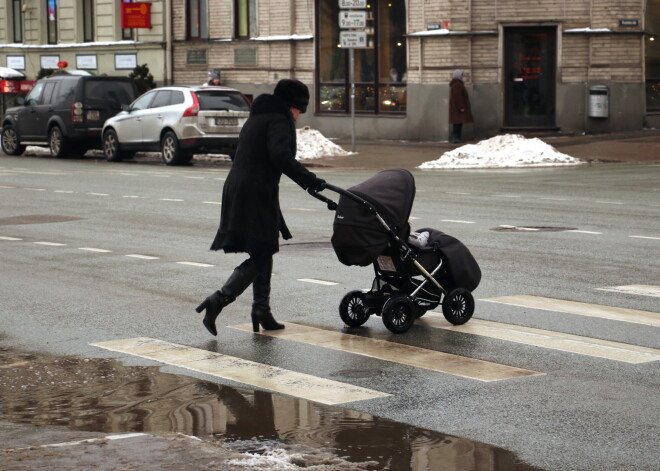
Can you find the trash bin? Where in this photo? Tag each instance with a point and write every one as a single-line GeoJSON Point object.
{"type": "Point", "coordinates": [599, 101]}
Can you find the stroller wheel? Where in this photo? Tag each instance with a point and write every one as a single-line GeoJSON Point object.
{"type": "Point", "coordinates": [458, 306]}
{"type": "Point", "coordinates": [353, 310]}
{"type": "Point", "coordinates": [399, 314]}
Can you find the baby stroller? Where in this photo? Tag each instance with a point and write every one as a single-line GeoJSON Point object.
{"type": "Point", "coordinates": [371, 227]}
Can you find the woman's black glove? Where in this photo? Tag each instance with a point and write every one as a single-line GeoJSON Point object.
{"type": "Point", "coordinates": [317, 185]}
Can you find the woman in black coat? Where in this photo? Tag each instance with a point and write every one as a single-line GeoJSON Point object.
{"type": "Point", "coordinates": [250, 219]}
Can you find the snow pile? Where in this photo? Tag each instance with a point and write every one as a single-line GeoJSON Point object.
{"type": "Point", "coordinates": [507, 150]}
{"type": "Point", "coordinates": [313, 145]}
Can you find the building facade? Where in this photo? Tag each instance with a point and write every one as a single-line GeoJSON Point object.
{"type": "Point", "coordinates": [87, 34]}
{"type": "Point", "coordinates": [557, 66]}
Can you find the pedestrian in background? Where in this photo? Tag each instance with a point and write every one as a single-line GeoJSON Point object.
{"type": "Point", "coordinates": [460, 111]}
{"type": "Point", "coordinates": [250, 218]}
{"type": "Point", "coordinates": [214, 80]}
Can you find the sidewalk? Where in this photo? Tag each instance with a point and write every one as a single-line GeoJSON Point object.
{"type": "Point", "coordinates": [633, 147]}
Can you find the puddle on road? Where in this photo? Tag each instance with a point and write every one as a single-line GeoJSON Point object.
{"type": "Point", "coordinates": [270, 432]}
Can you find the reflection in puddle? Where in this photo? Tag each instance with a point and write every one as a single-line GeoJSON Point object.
{"type": "Point", "coordinates": [102, 395]}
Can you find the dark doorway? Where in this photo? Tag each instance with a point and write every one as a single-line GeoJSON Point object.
{"type": "Point", "coordinates": [529, 77]}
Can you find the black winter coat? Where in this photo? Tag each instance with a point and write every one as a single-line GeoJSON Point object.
{"type": "Point", "coordinates": [250, 218]}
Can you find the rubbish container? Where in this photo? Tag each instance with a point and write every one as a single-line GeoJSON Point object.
{"type": "Point", "coordinates": [599, 101]}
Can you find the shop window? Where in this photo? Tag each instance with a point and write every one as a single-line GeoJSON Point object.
{"type": "Point", "coordinates": [246, 18]}
{"type": "Point", "coordinates": [380, 70]}
{"type": "Point", "coordinates": [51, 21]}
{"type": "Point", "coordinates": [198, 20]}
{"type": "Point", "coordinates": [17, 20]}
{"type": "Point", "coordinates": [88, 20]}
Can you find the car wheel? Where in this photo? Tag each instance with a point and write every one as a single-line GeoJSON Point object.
{"type": "Point", "coordinates": [10, 143]}
{"type": "Point", "coordinates": [57, 142]}
{"type": "Point", "coordinates": [172, 153]}
{"type": "Point", "coordinates": [111, 147]}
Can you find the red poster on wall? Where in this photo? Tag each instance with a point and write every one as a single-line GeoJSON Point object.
{"type": "Point", "coordinates": [136, 15]}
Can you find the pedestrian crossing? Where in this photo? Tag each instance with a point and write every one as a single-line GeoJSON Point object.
{"type": "Point", "coordinates": [333, 392]}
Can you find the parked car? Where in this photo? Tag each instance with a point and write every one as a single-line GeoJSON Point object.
{"type": "Point", "coordinates": [179, 122]}
{"type": "Point", "coordinates": [66, 113]}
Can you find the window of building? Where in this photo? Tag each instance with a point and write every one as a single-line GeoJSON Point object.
{"type": "Point", "coordinates": [17, 20]}
{"type": "Point", "coordinates": [127, 33]}
{"type": "Point", "coordinates": [380, 70]}
{"type": "Point", "coordinates": [88, 20]}
{"type": "Point", "coordinates": [198, 22]}
{"type": "Point", "coordinates": [51, 21]}
{"type": "Point", "coordinates": [246, 18]}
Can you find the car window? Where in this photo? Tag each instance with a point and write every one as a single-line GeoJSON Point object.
{"type": "Point", "coordinates": [65, 92]}
{"type": "Point", "coordinates": [47, 97]}
{"type": "Point", "coordinates": [34, 97]}
{"type": "Point", "coordinates": [177, 97]}
{"type": "Point", "coordinates": [162, 99]}
{"type": "Point", "coordinates": [222, 100]}
{"type": "Point", "coordinates": [142, 103]}
{"type": "Point", "coordinates": [114, 92]}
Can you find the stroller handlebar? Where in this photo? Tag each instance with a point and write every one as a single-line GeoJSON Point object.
{"type": "Point", "coordinates": [332, 206]}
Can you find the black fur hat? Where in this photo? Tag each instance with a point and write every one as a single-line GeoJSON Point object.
{"type": "Point", "coordinates": [293, 92]}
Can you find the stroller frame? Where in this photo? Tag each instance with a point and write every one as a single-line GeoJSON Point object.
{"type": "Point", "coordinates": [398, 310]}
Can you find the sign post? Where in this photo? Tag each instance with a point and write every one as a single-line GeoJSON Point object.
{"type": "Point", "coordinates": [355, 21]}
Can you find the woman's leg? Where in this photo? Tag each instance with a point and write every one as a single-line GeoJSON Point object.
{"type": "Point", "coordinates": [261, 314]}
{"type": "Point", "coordinates": [242, 276]}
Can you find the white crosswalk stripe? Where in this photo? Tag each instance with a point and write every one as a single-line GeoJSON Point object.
{"type": "Point", "coordinates": [643, 290]}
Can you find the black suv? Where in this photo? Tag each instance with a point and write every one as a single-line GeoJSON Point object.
{"type": "Point", "coordinates": [65, 113]}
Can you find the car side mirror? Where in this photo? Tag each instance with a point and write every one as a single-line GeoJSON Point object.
{"type": "Point", "coordinates": [21, 100]}
{"type": "Point", "coordinates": [125, 107]}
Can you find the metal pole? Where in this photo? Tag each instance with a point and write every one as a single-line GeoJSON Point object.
{"type": "Point", "coordinates": [351, 76]}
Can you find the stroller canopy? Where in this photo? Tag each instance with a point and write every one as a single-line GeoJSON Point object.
{"type": "Point", "coordinates": [358, 237]}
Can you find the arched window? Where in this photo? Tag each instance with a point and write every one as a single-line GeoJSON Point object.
{"type": "Point", "coordinates": [380, 71]}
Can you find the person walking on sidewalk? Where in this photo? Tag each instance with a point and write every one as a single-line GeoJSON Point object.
{"type": "Point", "coordinates": [250, 218]}
{"type": "Point", "coordinates": [460, 111]}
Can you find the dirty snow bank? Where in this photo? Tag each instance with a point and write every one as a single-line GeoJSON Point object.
{"type": "Point", "coordinates": [507, 150]}
{"type": "Point", "coordinates": [313, 145]}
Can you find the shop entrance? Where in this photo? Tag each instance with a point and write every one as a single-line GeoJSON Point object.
{"type": "Point", "coordinates": [529, 76]}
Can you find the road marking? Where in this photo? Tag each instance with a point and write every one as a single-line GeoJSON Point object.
{"type": "Point", "coordinates": [92, 249]}
{"type": "Point", "coordinates": [195, 264]}
{"type": "Point", "coordinates": [143, 257]}
{"type": "Point", "coordinates": [583, 232]}
{"type": "Point", "coordinates": [555, 199]}
{"type": "Point", "coordinates": [520, 228]}
{"type": "Point", "coordinates": [3, 186]}
{"type": "Point", "coordinates": [318, 282]}
{"type": "Point", "coordinates": [9, 238]}
{"type": "Point", "coordinates": [211, 202]}
{"type": "Point", "coordinates": [51, 244]}
{"type": "Point", "coordinates": [581, 309]}
{"type": "Point", "coordinates": [643, 290]}
{"type": "Point", "coordinates": [171, 199]}
{"type": "Point", "coordinates": [63, 191]}
{"type": "Point", "coordinates": [457, 193]}
{"type": "Point", "coordinates": [35, 189]}
{"type": "Point", "coordinates": [301, 209]}
{"type": "Point", "coordinates": [457, 221]}
{"type": "Point", "coordinates": [644, 237]}
{"type": "Point", "coordinates": [396, 352]}
{"type": "Point", "coordinates": [195, 178]}
{"type": "Point", "coordinates": [130, 196]}
{"type": "Point", "coordinates": [609, 202]}
{"type": "Point", "coordinates": [247, 372]}
{"type": "Point", "coordinates": [547, 339]}
{"type": "Point", "coordinates": [98, 194]}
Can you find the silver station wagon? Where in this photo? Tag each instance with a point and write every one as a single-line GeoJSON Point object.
{"type": "Point", "coordinates": [179, 122]}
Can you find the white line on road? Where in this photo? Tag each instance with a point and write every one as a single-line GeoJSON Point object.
{"type": "Point", "coordinates": [211, 202]}
{"type": "Point", "coordinates": [583, 232]}
{"type": "Point", "coordinates": [35, 189]}
{"type": "Point", "coordinates": [143, 257]}
{"type": "Point", "coordinates": [52, 244]}
{"type": "Point", "coordinates": [92, 249]}
{"type": "Point", "coordinates": [98, 194]}
{"type": "Point", "coordinates": [643, 290]}
{"type": "Point", "coordinates": [171, 199]}
{"type": "Point", "coordinates": [457, 193]}
{"type": "Point", "coordinates": [580, 309]}
{"type": "Point", "coordinates": [457, 221]}
{"type": "Point", "coordinates": [609, 202]}
{"type": "Point", "coordinates": [555, 199]}
{"type": "Point", "coordinates": [548, 339]}
{"type": "Point", "coordinates": [318, 282]}
{"type": "Point", "coordinates": [195, 264]}
{"type": "Point", "coordinates": [63, 191]}
{"type": "Point", "coordinates": [9, 238]}
{"type": "Point", "coordinates": [272, 378]}
{"type": "Point", "coordinates": [644, 237]}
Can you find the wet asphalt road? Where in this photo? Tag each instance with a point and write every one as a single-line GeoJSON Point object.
{"type": "Point", "coordinates": [583, 413]}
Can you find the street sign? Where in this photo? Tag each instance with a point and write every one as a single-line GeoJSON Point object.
{"type": "Point", "coordinates": [353, 39]}
{"type": "Point", "coordinates": [352, 3]}
{"type": "Point", "coordinates": [352, 19]}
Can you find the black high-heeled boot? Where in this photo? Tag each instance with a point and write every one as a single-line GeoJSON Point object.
{"type": "Point", "coordinates": [261, 314]}
{"type": "Point", "coordinates": [237, 282]}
